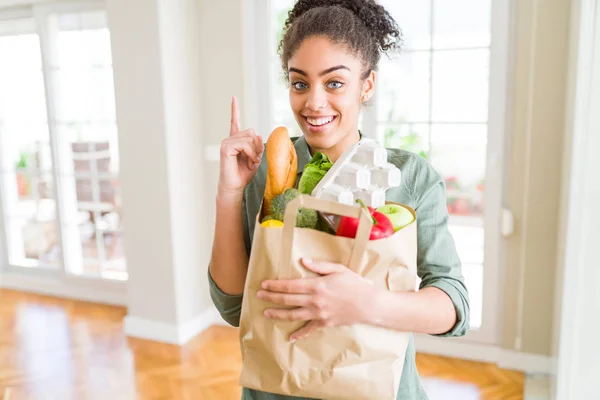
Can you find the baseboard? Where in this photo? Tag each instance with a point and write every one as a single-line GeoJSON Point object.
{"type": "Point", "coordinates": [195, 326]}
{"type": "Point", "coordinates": [217, 319]}
{"type": "Point", "coordinates": [526, 362]}
{"type": "Point", "coordinates": [506, 359]}
{"type": "Point", "coordinates": [170, 333]}
{"type": "Point", "coordinates": [68, 287]}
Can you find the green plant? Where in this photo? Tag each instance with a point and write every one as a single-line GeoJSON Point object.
{"type": "Point", "coordinates": [23, 160]}
{"type": "Point", "coordinates": [394, 138]}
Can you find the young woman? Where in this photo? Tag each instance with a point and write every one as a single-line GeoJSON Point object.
{"type": "Point", "coordinates": [330, 53]}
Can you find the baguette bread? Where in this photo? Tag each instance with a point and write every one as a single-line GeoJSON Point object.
{"type": "Point", "coordinates": [282, 166]}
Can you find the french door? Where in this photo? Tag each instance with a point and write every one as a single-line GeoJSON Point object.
{"type": "Point", "coordinates": [444, 99]}
{"type": "Point", "coordinates": [59, 160]}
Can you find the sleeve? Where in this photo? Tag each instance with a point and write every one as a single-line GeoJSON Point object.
{"type": "Point", "coordinates": [230, 306]}
{"type": "Point", "coordinates": [438, 262]}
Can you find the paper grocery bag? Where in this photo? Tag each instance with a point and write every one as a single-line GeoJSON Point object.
{"type": "Point", "coordinates": [346, 363]}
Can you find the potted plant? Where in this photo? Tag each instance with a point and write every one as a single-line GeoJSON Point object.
{"type": "Point", "coordinates": [23, 183]}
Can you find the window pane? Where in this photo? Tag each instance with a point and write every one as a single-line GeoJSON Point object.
{"type": "Point", "coordinates": [279, 13]}
{"type": "Point", "coordinates": [87, 142]}
{"type": "Point", "coordinates": [84, 76]}
{"type": "Point", "coordinates": [280, 91]}
{"type": "Point", "coordinates": [85, 95]}
{"type": "Point", "coordinates": [410, 137]}
{"type": "Point", "coordinates": [25, 161]}
{"type": "Point", "coordinates": [97, 224]}
{"type": "Point", "coordinates": [15, 27]}
{"type": "Point", "coordinates": [403, 89]}
{"type": "Point", "coordinates": [458, 152]}
{"type": "Point", "coordinates": [460, 86]}
{"type": "Point", "coordinates": [461, 23]}
{"type": "Point", "coordinates": [23, 119]}
{"type": "Point", "coordinates": [109, 224]}
{"type": "Point", "coordinates": [84, 73]}
{"type": "Point", "coordinates": [414, 19]}
{"type": "Point", "coordinates": [93, 48]}
{"type": "Point", "coordinates": [282, 112]}
{"type": "Point", "coordinates": [30, 220]}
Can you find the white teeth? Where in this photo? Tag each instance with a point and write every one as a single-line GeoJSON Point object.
{"type": "Point", "coordinates": [319, 121]}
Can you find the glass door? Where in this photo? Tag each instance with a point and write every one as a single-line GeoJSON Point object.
{"type": "Point", "coordinates": [433, 100]}
{"type": "Point", "coordinates": [441, 98]}
{"type": "Point", "coordinates": [58, 143]}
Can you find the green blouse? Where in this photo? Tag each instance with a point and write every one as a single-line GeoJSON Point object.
{"type": "Point", "coordinates": [438, 263]}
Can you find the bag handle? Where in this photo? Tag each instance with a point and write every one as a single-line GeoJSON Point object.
{"type": "Point", "coordinates": [331, 207]}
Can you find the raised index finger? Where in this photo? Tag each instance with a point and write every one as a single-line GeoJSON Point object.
{"type": "Point", "coordinates": [235, 117]}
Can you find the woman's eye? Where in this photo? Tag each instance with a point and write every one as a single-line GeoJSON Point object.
{"type": "Point", "coordinates": [335, 84]}
{"type": "Point", "coordinates": [299, 85]}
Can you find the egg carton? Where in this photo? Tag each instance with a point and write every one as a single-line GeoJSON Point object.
{"type": "Point", "coordinates": [362, 172]}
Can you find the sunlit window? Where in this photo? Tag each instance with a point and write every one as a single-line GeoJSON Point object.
{"type": "Point", "coordinates": [431, 99]}
{"type": "Point", "coordinates": [60, 180]}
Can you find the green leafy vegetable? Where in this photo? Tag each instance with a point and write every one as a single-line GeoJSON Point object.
{"type": "Point", "coordinates": [314, 171]}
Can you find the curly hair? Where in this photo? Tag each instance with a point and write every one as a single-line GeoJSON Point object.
{"type": "Point", "coordinates": [364, 26]}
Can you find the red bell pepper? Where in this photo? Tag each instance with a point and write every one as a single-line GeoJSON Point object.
{"type": "Point", "coordinates": [382, 226]}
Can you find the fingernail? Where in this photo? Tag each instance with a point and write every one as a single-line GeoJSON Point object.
{"type": "Point", "coordinates": [259, 294]}
{"type": "Point", "coordinates": [267, 314]}
{"type": "Point", "coordinates": [292, 340]}
{"type": "Point", "coordinates": [264, 285]}
{"type": "Point", "coordinates": [307, 260]}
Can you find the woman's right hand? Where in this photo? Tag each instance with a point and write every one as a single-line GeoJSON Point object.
{"type": "Point", "coordinates": [240, 156]}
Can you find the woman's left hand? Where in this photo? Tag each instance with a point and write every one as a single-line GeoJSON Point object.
{"type": "Point", "coordinates": [337, 297]}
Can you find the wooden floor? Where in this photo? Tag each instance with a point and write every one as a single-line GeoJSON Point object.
{"type": "Point", "coordinates": [54, 349]}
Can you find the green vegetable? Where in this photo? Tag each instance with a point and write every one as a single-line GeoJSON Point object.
{"type": "Point", "coordinates": [306, 218]}
{"type": "Point", "coordinates": [314, 171]}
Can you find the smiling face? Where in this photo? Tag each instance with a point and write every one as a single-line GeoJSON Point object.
{"type": "Point", "coordinates": [326, 92]}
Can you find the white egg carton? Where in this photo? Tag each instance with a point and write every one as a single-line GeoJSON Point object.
{"type": "Point", "coordinates": [362, 172]}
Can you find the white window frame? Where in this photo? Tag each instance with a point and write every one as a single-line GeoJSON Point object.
{"type": "Point", "coordinates": [38, 279]}
{"type": "Point", "coordinates": [498, 134]}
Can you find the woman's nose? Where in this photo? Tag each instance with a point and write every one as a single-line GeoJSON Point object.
{"type": "Point", "coordinates": [316, 100]}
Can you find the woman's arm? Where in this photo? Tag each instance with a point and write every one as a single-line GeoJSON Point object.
{"type": "Point", "coordinates": [229, 261]}
{"type": "Point", "coordinates": [240, 157]}
{"type": "Point", "coordinates": [339, 296]}
{"type": "Point", "coordinates": [428, 311]}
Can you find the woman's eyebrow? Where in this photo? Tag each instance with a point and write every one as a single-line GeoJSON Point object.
{"type": "Point", "coordinates": [325, 72]}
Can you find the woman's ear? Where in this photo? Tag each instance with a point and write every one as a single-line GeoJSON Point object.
{"type": "Point", "coordinates": [368, 87]}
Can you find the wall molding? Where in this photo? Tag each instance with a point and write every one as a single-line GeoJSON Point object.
{"type": "Point", "coordinates": [507, 359]}
{"type": "Point", "coordinates": [69, 287]}
{"type": "Point", "coordinates": [170, 333]}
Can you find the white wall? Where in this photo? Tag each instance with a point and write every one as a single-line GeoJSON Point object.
{"type": "Point", "coordinates": [140, 113]}
{"type": "Point", "coordinates": [158, 76]}
{"type": "Point", "coordinates": [180, 45]}
{"type": "Point", "coordinates": [578, 366]}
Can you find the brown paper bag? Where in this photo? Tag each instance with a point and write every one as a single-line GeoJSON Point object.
{"type": "Point", "coordinates": [345, 363]}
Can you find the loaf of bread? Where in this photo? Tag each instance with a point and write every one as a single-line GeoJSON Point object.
{"type": "Point", "coordinates": [282, 166]}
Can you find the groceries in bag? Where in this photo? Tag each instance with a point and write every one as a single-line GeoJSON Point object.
{"type": "Point", "coordinates": [361, 176]}
{"type": "Point", "coordinates": [358, 362]}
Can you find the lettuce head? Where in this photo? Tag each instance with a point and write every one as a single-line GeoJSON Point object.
{"type": "Point", "coordinates": [314, 171]}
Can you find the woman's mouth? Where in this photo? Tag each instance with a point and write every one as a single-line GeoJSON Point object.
{"type": "Point", "coordinates": [320, 122]}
